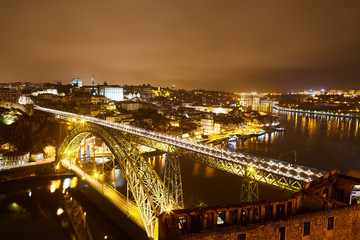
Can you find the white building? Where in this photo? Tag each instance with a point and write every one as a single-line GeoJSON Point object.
{"type": "Point", "coordinates": [37, 157]}
{"type": "Point", "coordinates": [114, 92]}
{"type": "Point", "coordinates": [15, 158]}
{"type": "Point", "coordinates": [76, 82]}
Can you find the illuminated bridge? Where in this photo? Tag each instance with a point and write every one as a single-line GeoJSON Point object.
{"type": "Point", "coordinates": [149, 195]}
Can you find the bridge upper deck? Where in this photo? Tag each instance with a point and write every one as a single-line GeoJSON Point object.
{"type": "Point", "coordinates": [250, 162]}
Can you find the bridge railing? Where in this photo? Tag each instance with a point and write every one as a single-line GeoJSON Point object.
{"type": "Point", "coordinates": [285, 169]}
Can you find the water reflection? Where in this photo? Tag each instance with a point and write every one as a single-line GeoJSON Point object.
{"type": "Point", "coordinates": [50, 213]}
{"type": "Point", "coordinates": [318, 138]}
{"type": "Point", "coordinates": [196, 169]}
{"type": "Point", "coordinates": [209, 172]}
{"type": "Point", "coordinates": [199, 170]}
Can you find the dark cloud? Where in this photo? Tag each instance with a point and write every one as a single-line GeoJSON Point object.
{"type": "Point", "coordinates": [229, 45]}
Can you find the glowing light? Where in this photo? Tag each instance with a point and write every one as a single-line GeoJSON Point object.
{"type": "Point", "coordinates": [96, 175]}
{"type": "Point", "coordinates": [53, 186]}
{"type": "Point", "coordinates": [105, 237]}
{"type": "Point", "coordinates": [73, 182]}
{"type": "Point", "coordinates": [168, 209]}
{"type": "Point", "coordinates": [59, 211]}
{"type": "Point", "coordinates": [83, 121]}
{"type": "Point", "coordinates": [30, 193]}
{"type": "Point", "coordinates": [14, 206]}
{"type": "Point", "coordinates": [66, 183]}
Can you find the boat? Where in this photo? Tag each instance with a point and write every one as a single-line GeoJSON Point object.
{"type": "Point", "coordinates": [280, 129]}
{"type": "Point", "coordinates": [233, 138]}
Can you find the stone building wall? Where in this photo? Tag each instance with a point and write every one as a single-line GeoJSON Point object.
{"type": "Point", "coordinates": [346, 226]}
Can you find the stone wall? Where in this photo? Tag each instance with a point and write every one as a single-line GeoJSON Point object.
{"type": "Point", "coordinates": [346, 226]}
{"type": "Point", "coordinates": [27, 170]}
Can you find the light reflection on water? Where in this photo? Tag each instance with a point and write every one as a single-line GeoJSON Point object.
{"type": "Point", "coordinates": [324, 142]}
{"type": "Point", "coordinates": [44, 208]}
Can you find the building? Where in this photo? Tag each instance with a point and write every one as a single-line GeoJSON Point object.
{"type": "Point", "coordinates": [86, 99]}
{"type": "Point", "coordinates": [25, 99]}
{"type": "Point", "coordinates": [121, 118]}
{"type": "Point", "coordinates": [9, 95]}
{"type": "Point", "coordinates": [76, 82]}
{"type": "Point", "coordinates": [37, 157]}
{"type": "Point", "coordinates": [114, 92]}
{"type": "Point", "coordinates": [134, 106]}
{"type": "Point", "coordinates": [15, 158]}
{"type": "Point", "coordinates": [335, 92]}
{"type": "Point", "coordinates": [207, 125]}
{"type": "Point", "coordinates": [326, 209]}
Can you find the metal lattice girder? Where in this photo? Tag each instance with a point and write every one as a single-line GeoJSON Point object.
{"type": "Point", "coordinates": [251, 173]}
{"type": "Point", "coordinates": [172, 176]}
{"type": "Point", "coordinates": [286, 176]}
{"type": "Point", "coordinates": [249, 191]}
{"type": "Point", "coordinates": [148, 190]}
{"type": "Point", "coordinates": [77, 218]}
{"type": "Point", "coordinates": [259, 175]}
{"type": "Point", "coordinates": [152, 181]}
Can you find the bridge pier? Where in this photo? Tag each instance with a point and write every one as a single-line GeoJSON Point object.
{"type": "Point", "coordinates": [249, 191]}
{"type": "Point", "coordinates": [172, 177]}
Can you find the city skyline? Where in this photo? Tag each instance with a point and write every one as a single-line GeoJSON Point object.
{"type": "Point", "coordinates": [235, 46]}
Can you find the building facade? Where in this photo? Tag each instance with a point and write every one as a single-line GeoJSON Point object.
{"type": "Point", "coordinates": [326, 209]}
{"type": "Point", "coordinates": [114, 92]}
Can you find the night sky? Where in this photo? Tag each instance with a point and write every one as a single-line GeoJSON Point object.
{"type": "Point", "coordinates": [216, 45]}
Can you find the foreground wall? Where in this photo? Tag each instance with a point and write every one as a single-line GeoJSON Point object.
{"type": "Point", "coordinates": [342, 223]}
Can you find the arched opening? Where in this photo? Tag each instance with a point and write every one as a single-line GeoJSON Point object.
{"type": "Point", "coordinates": [333, 191]}
{"type": "Point", "coordinates": [325, 193]}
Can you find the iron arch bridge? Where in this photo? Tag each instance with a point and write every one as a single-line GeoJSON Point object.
{"type": "Point", "coordinates": [151, 195]}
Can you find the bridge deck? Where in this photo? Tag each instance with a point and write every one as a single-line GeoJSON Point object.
{"type": "Point", "coordinates": [113, 196]}
{"type": "Point", "coordinates": [249, 161]}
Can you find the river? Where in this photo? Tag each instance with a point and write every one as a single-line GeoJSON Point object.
{"type": "Point", "coordinates": [321, 142]}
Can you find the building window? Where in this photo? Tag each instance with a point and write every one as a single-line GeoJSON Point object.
{"type": "Point", "coordinates": [257, 214]}
{"type": "Point", "coordinates": [289, 208]}
{"type": "Point", "coordinates": [306, 228]}
{"type": "Point", "coordinates": [182, 222]}
{"type": "Point", "coordinates": [330, 223]}
{"type": "Point", "coordinates": [280, 210]}
{"type": "Point", "coordinates": [282, 233]}
{"type": "Point", "coordinates": [220, 218]}
{"type": "Point", "coordinates": [268, 212]}
{"type": "Point", "coordinates": [241, 236]}
{"type": "Point", "coordinates": [233, 216]}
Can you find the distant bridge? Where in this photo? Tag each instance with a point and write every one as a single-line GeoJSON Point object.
{"type": "Point", "coordinates": [152, 195]}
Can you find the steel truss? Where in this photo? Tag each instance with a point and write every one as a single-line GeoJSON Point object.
{"type": "Point", "coordinates": [172, 176]}
{"type": "Point", "coordinates": [147, 189]}
{"type": "Point", "coordinates": [250, 173]}
{"type": "Point", "coordinates": [77, 217]}
{"type": "Point", "coordinates": [237, 165]}
{"type": "Point", "coordinates": [243, 170]}
{"type": "Point", "coordinates": [249, 191]}
{"type": "Point", "coordinates": [153, 196]}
